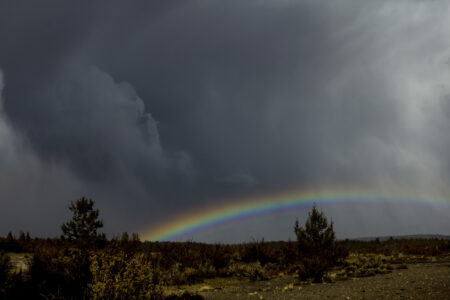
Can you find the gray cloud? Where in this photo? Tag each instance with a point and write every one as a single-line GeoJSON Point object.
{"type": "Point", "coordinates": [100, 125]}
{"type": "Point", "coordinates": [31, 190]}
{"type": "Point", "coordinates": [240, 179]}
{"type": "Point", "coordinates": [157, 107]}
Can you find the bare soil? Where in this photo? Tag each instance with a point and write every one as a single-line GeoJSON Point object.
{"type": "Point", "coordinates": [418, 281]}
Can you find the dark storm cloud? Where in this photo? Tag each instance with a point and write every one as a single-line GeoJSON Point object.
{"type": "Point", "coordinates": [29, 187]}
{"type": "Point", "coordinates": [158, 106]}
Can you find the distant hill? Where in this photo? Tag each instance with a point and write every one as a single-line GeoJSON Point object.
{"type": "Point", "coordinates": [399, 237]}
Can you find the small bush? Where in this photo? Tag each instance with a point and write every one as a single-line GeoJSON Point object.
{"type": "Point", "coordinates": [313, 267]}
{"type": "Point", "coordinates": [258, 251]}
{"type": "Point", "coordinates": [287, 254]}
{"type": "Point", "coordinates": [253, 271]}
{"type": "Point", "coordinates": [5, 269]}
{"type": "Point", "coordinates": [219, 256]}
{"type": "Point", "coordinates": [60, 273]}
{"type": "Point", "coordinates": [117, 276]}
{"type": "Point", "coordinates": [365, 265]}
{"type": "Point", "coordinates": [185, 296]}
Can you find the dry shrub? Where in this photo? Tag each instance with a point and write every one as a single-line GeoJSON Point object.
{"type": "Point", "coordinates": [118, 276]}
{"type": "Point", "coordinates": [313, 267]}
{"type": "Point", "coordinates": [258, 251]}
{"type": "Point", "coordinates": [252, 271]}
{"type": "Point", "coordinates": [365, 266]}
{"type": "Point", "coordinates": [5, 269]}
{"type": "Point", "coordinates": [178, 275]}
{"type": "Point", "coordinates": [62, 273]}
{"type": "Point", "coordinates": [185, 296]}
{"type": "Point", "coordinates": [414, 246]}
{"type": "Point", "coordinates": [219, 256]}
{"type": "Point", "coordinates": [287, 254]}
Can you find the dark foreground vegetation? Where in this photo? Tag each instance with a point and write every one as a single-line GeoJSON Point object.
{"type": "Point", "coordinates": [83, 264]}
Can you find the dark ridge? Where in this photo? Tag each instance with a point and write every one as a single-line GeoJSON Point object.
{"type": "Point", "coordinates": [402, 237]}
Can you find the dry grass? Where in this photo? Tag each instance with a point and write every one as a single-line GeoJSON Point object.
{"type": "Point", "coordinates": [19, 261]}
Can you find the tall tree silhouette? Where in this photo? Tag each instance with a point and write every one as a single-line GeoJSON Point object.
{"type": "Point", "coordinates": [84, 224]}
{"type": "Point", "coordinates": [316, 245]}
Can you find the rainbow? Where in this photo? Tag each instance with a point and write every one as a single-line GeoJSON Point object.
{"type": "Point", "coordinates": [212, 217]}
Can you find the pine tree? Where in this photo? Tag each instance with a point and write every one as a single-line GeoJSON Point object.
{"type": "Point", "coordinates": [10, 238]}
{"type": "Point", "coordinates": [317, 236]}
{"type": "Point", "coordinates": [316, 245]}
{"type": "Point", "coordinates": [84, 224]}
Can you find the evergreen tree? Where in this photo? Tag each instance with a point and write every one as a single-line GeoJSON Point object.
{"type": "Point", "coordinates": [10, 238]}
{"type": "Point", "coordinates": [316, 245]}
{"type": "Point", "coordinates": [317, 236]}
{"type": "Point", "coordinates": [84, 224]}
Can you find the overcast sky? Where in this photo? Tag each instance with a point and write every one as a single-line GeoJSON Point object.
{"type": "Point", "coordinates": [153, 108]}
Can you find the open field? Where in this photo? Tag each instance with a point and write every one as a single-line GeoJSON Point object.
{"type": "Point", "coordinates": [418, 281]}
{"type": "Point", "coordinates": [429, 279]}
{"type": "Point", "coordinates": [393, 269]}
{"type": "Point", "coordinates": [423, 278]}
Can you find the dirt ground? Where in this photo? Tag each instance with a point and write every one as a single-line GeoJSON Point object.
{"type": "Point", "coordinates": [418, 281]}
